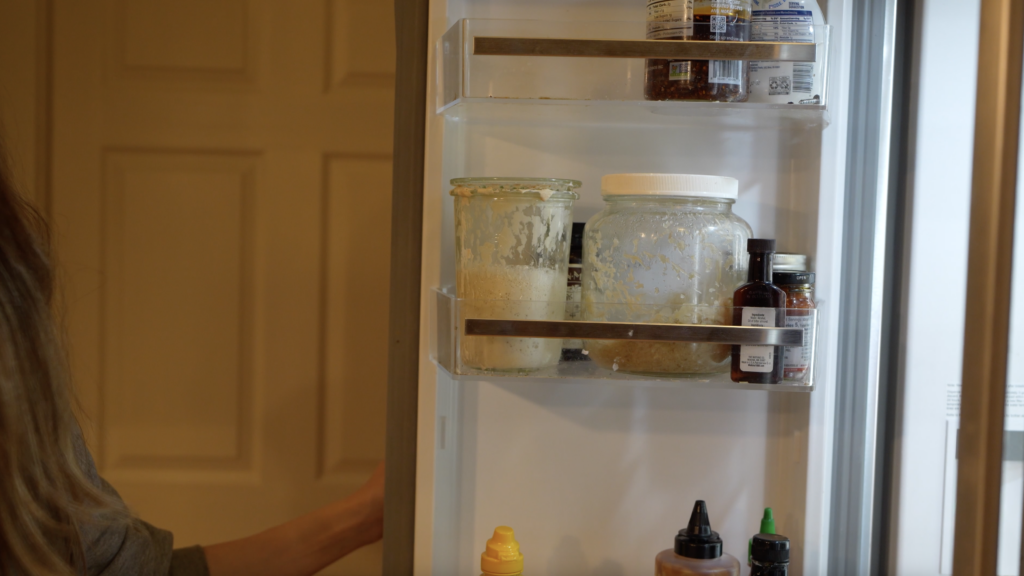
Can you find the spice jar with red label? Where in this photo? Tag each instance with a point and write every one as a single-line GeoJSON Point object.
{"type": "Point", "coordinates": [799, 289]}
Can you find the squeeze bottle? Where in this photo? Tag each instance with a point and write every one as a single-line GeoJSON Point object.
{"type": "Point", "coordinates": [767, 527]}
{"type": "Point", "coordinates": [502, 556]}
{"type": "Point", "coordinates": [697, 550]}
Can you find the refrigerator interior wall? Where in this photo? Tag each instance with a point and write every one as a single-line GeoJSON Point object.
{"type": "Point", "coordinates": [597, 477]}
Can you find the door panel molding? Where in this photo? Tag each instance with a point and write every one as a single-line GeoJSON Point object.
{"type": "Point", "coordinates": [989, 280]}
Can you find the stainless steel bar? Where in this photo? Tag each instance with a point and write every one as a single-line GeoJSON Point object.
{"type": "Point", "coordinates": [632, 331]}
{"type": "Point", "coordinates": [676, 49]}
{"type": "Point", "coordinates": [445, 330]}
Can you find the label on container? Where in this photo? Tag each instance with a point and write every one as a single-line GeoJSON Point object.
{"type": "Point", "coordinates": [574, 295]}
{"type": "Point", "coordinates": [758, 358]}
{"type": "Point", "coordinates": [734, 8]}
{"type": "Point", "coordinates": [784, 21]}
{"type": "Point", "coordinates": [799, 357]}
{"type": "Point", "coordinates": [787, 25]}
{"type": "Point", "coordinates": [679, 71]}
{"type": "Point", "coordinates": [669, 19]}
{"type": "Point", "coordinates": [725, 71]}
{"type": "Point", "coordinates": [574, 291]}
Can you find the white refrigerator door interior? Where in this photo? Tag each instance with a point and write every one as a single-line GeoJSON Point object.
{"type": "Point", "coordinates": [597, 477]}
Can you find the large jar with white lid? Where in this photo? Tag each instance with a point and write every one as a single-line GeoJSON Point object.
{"type": "Point", "coordinates": [668, 249]}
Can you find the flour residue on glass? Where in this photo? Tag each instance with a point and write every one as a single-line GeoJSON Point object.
{"type": "Point", "coordinates": [512, 242]}
{"type": "Point", "coordinates": [666, 261]}
{"type": "Point", "coordinates": [512, 293]}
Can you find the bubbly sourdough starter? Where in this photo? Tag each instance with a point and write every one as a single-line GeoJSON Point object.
{"type": "Point", "coordinates": [511, 293]}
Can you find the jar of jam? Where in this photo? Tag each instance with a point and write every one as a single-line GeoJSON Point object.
{"type": "Point", "coordinates": [708, 80]}
{"type": "Point", "coordinates": [799, 289]}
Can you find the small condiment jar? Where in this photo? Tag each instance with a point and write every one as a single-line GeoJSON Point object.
{"type": "Point", "coordinates": [799, 289]}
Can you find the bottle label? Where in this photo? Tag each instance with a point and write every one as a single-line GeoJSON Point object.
{"type": "Point", "coordinates": [758, 358]}
{"type": "Point", "coordinates": [784, 21]}
{"type": "Point", "coordinates": [574, 295]}
{"type": "Point", "coordinates": [679, 71]}
{"type": "Point", "coordinates": [734, 8]}
{"type": "Point", "coordinates": [669, 19]}
{"type": "Point", "coordinates": [799, 357]}
{"type": "Point", "coordinates": [574, 290]}
{"type": "Point", "coordinates": [725, 71]}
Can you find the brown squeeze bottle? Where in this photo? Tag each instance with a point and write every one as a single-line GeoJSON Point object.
{"type": "Point", "coordinates": [758, 303]}
{"type": "Point", "coordinates": [697, 550]}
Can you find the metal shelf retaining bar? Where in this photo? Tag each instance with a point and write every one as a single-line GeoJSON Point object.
{"type": "Point", "coordinates": [674, 49]}
{"type": "Point", "coordinates": [565, 329]}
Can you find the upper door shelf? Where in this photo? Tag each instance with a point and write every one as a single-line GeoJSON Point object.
{"type": "Point", "coordinates": [532, 70]}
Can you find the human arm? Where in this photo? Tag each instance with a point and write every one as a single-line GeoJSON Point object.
{"type": "Point", "coordinates": [308, 543]}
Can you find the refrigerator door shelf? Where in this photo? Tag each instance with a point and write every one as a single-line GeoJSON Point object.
{"type": "Point", "coordinates": [676, 49]}
{"type": "Point", "coordinates": [641, 113]}
{"type": "Point", "coordinates": [599, 66]}
{"type": "Point", "coordinates": [524, 339]}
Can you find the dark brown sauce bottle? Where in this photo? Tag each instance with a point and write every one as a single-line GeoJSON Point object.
{"type": "Point", "coordinates": [759, 303]}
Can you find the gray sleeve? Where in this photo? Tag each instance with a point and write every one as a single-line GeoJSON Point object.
{"type": "Point", "coordinates": [132, 548]}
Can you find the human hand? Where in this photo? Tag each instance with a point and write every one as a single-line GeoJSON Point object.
{"type": "Point", "coordinates": [371, 497]}
{"type": "Point", "coordinates": [374, 487]}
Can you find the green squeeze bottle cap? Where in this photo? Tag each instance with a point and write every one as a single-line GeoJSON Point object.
{"type": "Point", "coordinates": [767, 522]}
{"type": "Point", "coordinates": [767, 527]}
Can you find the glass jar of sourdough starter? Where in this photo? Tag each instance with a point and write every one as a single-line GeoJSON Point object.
{"type": "Point", "coordinates": [668, 249]}
{"type": "Point", "coordinates": [511, 258]}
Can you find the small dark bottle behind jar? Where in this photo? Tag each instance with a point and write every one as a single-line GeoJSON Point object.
{"type": "Point", "coordinates": [572, 350]}
{"type": "Point", "coordinates": [769, 555]}
{"type": "Point", "coordinates": [758, 303]}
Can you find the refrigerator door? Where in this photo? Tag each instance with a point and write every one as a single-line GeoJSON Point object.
{"type": "Point", "coordinates": [957, 419]}
{"type": "Point", "coordinates": [598, 473]}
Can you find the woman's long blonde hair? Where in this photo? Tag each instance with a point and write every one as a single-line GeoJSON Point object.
{"type": "Point", "coordinates": [45, 496]}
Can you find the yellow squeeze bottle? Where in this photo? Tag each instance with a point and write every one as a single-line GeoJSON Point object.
{"type": "Point", "coordinates": [502, 557]}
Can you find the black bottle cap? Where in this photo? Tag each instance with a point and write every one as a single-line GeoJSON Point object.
{"type": "Point", "coordinates": [698, 540]}
{"type": "Point", "coordinates": [770, 548]}
{"type": "Point", "coordinates": [576, 240]}
{"type": "Point", "coordinates": [761, 245]}
{"type": "Point", "coordinates": [791, 278]}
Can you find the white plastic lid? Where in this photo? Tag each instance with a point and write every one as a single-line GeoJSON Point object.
{"type": "Point", "coordinates": [688, 185]}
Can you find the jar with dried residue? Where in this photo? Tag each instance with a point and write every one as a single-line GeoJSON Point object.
{"type": "Point", "coordinates": [668, 249]}
{"type": "Point", "coordinates": [511, 259]}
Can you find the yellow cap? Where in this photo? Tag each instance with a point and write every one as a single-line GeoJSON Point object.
{"type": "Point", "coordinates": [502, 557]}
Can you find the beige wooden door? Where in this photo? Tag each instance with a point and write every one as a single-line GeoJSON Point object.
{"type": "Point", "coordinates": [23, 97]}
{"type": "Point", "coordinates": [221, 192]}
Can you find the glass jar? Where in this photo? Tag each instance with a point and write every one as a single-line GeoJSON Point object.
{"type": "Point", "coordinates": [667, 248]}
{"type": "Point", "coordinates": [706, 20]}
{"type": "Point", "coordinates": [511, 259]}
{"type": "Point", "coordinates": [799, 289]}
